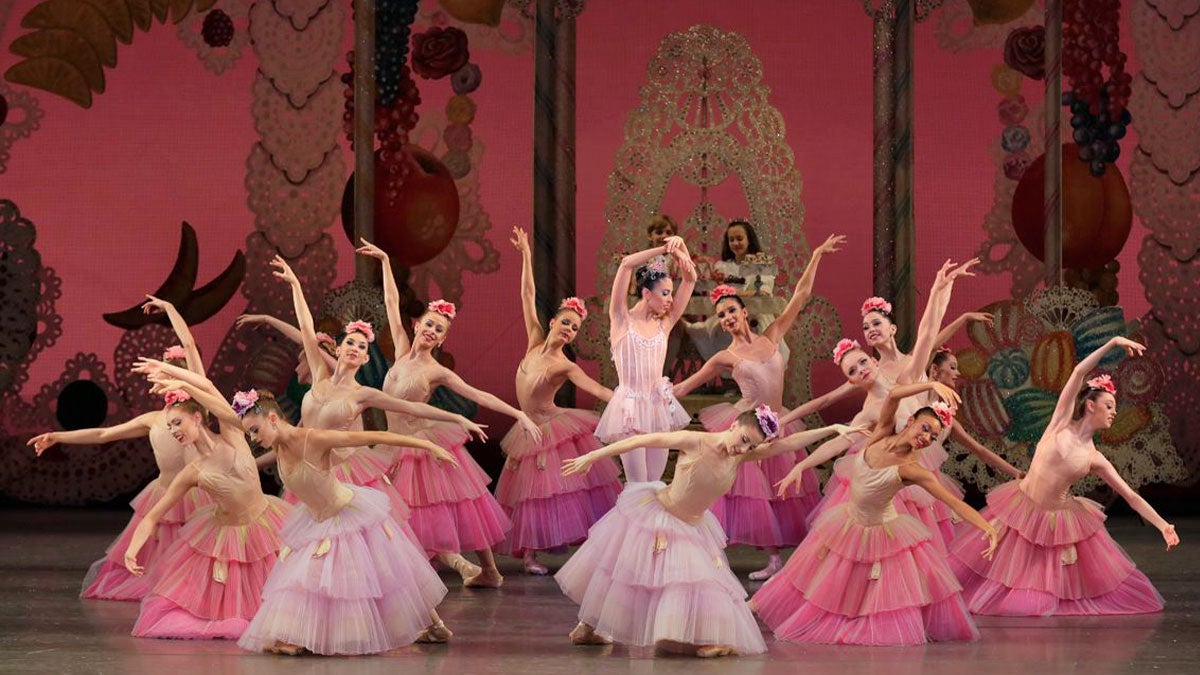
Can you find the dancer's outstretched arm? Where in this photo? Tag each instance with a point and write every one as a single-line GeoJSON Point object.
{"type": "Point", "coordinates": [582, 380]}
{"type": "Point", "coordinates": [618, 306]}
{"type": "Point", "coordinates": [375, 398]}
{"type": "Point", "coordinates": [489, 401]}
{"type": "Point", "coordinates": [1104, 469]}
{"type": "Point", "coordinates": [534, 333]}
{"type": "Point", "coordinates": [931, 320]}
{"type": "Point", "coordinates": [154, 305]}
{"type": "Point", "coordinates": [325, 440]}
{"type": "Point", "coordinates": [134, 428]}
{"type": "Point", "coordinates": [304, 320]}
{"type": "Point", "coordinates": [719, 363]}
{"type": "Point", "coordinates": [391, 297]}
{"type": "Point", "coordinates": [913, 473]}
{"type": "Point", "coordinates": [185, 480]}
{"type": "Point", "coordinates": [985, 454]}
{"type": "Point", "coordinates": [687, 283]}
{"type": "Point", "coordinates": [285, 329]}
{"type": "Point", "coordinates": [957, 324]}
{"type": "Point", "coordinates": [803, 291]}
{"type": "Point", "coordinates": [1066, 399]}
{"type": "Point", "coordinates": [680, 440]}
{"type": "Point", "coordinates": [817, 404]}
{"type": "Point", "coordinates": [797, 441]}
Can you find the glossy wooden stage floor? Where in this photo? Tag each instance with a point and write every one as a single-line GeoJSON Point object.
{"type": "Point", "coordinates": [521, 629]}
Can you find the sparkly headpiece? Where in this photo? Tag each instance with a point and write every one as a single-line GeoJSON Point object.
{"type": "Point", "coordinates": [844, 345]}
{"type": "Point", "coordinates": [360, 326]}
{"type": "Point", "coordinates": [1103, 383]}
{"type": "Point", "coordinates": [944, 413]}
{"type": "Point", "coordinates": [174, 352]}
{"type": "Point", "coordinates": [244, 402]}
{"type": "Point", "coordinates": [575, 305]}
{"type": "Point", "coordinates": [876, 304]}
{"type": "Point", "coordinates": [174, 397]}
{"type": "Point", "coordinates": [768, 421]}
{"type": "Point", "coordinates": [722, 291]}
{"type": "Point", "coordinates": [443, 307]}
{"type": "Point", "coordinates": [326, 339]}
{"type": "Point", "coordinates": [658, 266]}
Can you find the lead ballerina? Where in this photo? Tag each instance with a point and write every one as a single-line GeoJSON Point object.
{"type": "Point", "coordinates": [642, 402]}
{"type": "Point", "coordinates": [550, 510]}
{"type": "Point", "coordinates": [1057, 558]}
{"type": "Point", "coordinates": [653, 572]}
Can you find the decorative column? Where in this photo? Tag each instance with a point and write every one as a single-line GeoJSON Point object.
{"type": "Point", "coordinates": [366, 269]}
{"type": "Point", "coordinates": [1052, 188]}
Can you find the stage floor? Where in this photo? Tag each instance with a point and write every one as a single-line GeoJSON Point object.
{"type": "Point", "coordinates": [521, 629]}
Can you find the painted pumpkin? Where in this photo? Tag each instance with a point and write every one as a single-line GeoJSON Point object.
{"type": "Point", "coordinates": [982, 411]}
{"type": "Point", "coordinates": [1009, 368]}
{"type": "Point", "coordinates": [1095, 329]}
{"type": "Point", "coordinates": [1030, 410]}
{"type": "Point", "coordinates": [1052, 361]}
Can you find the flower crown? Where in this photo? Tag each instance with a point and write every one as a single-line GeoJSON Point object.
{"type": "Point", "coordinates": [326, 339]}
{"type": "Point", "coordinates": [174, 352]}
{"type": "Point", "coordinates": [575, 305]}
{"type": "Point", "coordinates": [944, 349]}
{"type": "Point", "coordinates": [768, 421]}
{"type": "Point", "coordinates": [722, 291]}
{"type": "Point", "coordinates": [175, 397]}
{"type": "Point", "coordinates": [876, 304]}
{"type": "Point", "coordinates": [658, 266]}
{"type": "Point", "coordinates": [844, 345]}
{"type": "Point", "coordinates": [1103, 383]}
{"type": "Point", "coordinates": [360, 326]}
{"type": "Point", "coordinates": [944, 413]}
{"type": "Point", "coordinates": [443, 307]}
{"type": "Point", "coordinates": [244, 402]}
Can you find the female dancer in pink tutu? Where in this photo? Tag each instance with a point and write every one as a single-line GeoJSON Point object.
{"type": "Point", "coordinates": [452, 509]}
{"type": "Point", "coordinates": [750, 512]}
{"type": "Point", "coordinates": [653, 571]}
{"type": "Point", "coordinates": [550, 510]}
{"type": "Point", "coordinates": [336, 402]}
{"type": "Point", "coordinates": [642, 402]}
{"type": "Point", "coordinates": [208, 584]}
{"type": "Point", "coordinates": [348, 580]}
{"type": "Point", "coordinates": [1057, 558]}
{"type": "Point", "coordinates": [107, 579]}
{"type": "Point", "coordinates": [866, 574]}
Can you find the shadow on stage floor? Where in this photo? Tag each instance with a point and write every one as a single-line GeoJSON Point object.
{"type": "Point", "coordinates": [521, 629]}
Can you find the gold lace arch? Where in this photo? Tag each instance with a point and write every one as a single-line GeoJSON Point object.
{"type": "Point", "coordinates": [704, 117]}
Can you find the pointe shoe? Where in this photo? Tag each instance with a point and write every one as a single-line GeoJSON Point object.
{"type": "Point", "coordinates": [436, 633]}
{"type": "Point", "coordinates": [287, 649]}
{"type": "Point", "coordinates": [488, 577]}
{"type": "Point", "coordinates": [714, 651]}
{"type": "Point", "coordinates": [465, 568]}
{"type": "Point", "coordinates": [584, 634]}
{"type": "Point", "coordinates": [773, 566]}
{"type": "Point", "coordinates": [532, 566]}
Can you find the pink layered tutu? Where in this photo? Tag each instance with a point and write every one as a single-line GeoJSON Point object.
{"type": "Point", "coordinates": [107, 579]}
{"type": "Point", "coordinates": [645, 576]}
{"type": "Point", "coordinates": [210, 582]}
{"type": "Point", "coordinates": [750, 512]}
{"type": "Point", "coordinates": [641, 412]}
{"type": "Point", "coordinates": [350, 584]}
{"type": "Point", "coordinates": [451, 508]}
{"type": "Point", "coordinates": [850, 583]}
{"type": "Point", "coordinates": [1049, 562]}
{"type": "Point", "coordinates": [548, 509]}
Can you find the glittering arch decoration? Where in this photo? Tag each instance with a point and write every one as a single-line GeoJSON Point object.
{"type": "Point", "coordinates": [704, 117]}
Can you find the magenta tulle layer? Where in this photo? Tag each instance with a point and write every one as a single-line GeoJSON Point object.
{"type": "Point", "coordinates": [350, 584]}
{"type": "Point", "coordinates": [548, 509]}
{"type": "Point", "coordinates": [750, 512]}
{"type": "Point", "coordinates": [1049, 562]}
{"type": "Point", "coordinates": [368, 467]}
{"type": "Point", "coordinates": [850, 583]}
{"type": "Point", "coordinates": [630, 413]}
{"type": "Point", "coordinates": [210, 582]}
{"type": "Point", "coordinates": [451, 509]}
{"type": "Point", "coordinates": [107, 578]}
{"type": "Point", "coordinates": [644, 576]}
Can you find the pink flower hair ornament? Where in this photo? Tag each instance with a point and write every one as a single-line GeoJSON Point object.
{"type": "Point", "coordinates": [360, 326]}
{"type": "Point", "coordinates": [944, 349]}
{"type": "Point", "coordinates": [244, 402]}
{"type": "Point", "coordinates": [876, 304]}
{"type": "Point", "coordinates": [443, 307]}
{"type": "Point", "coordinates": [575, 305]}
{"type": "Point", "coordinates": [722, 291]}
{"type": "Point", "coordinates": [843, 346]}
{"type": "Point", "coordinates": [174, 352]}
{"type": "Point", "coordinates": [944, 413]}
{"type": "Point", "coordinates": [768, 421]}
{"type": "Point", "coordinates": [175, 397]}
{"type": "Point", "coordinates": [1103, 383]}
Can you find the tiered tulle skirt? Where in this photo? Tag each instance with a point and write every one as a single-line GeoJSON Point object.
{"type": "Point", "coordinates": [641, 412]}
{"type": "Point", "coordinates": [547, 509]}
{"type": "Point", "coordinates": [850, 583]}
{"type": "Point", "coordinates": [350, 584]}
{"type": "Point", "coordinates": [645, 576]}
{"type": "Point", "coordinates": [210, 582]}
{"type": "Point", "coordinates": [107, 579]}
{"type": "Point", "coordinates": [1049, 562]}
{"type": "Point", "coordinates": [451, 509]}
{"type": "Point", "coordinates": [750, 512]}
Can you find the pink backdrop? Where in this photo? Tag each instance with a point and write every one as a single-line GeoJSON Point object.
{"type": "Point", "coordinates": [168, 141]}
